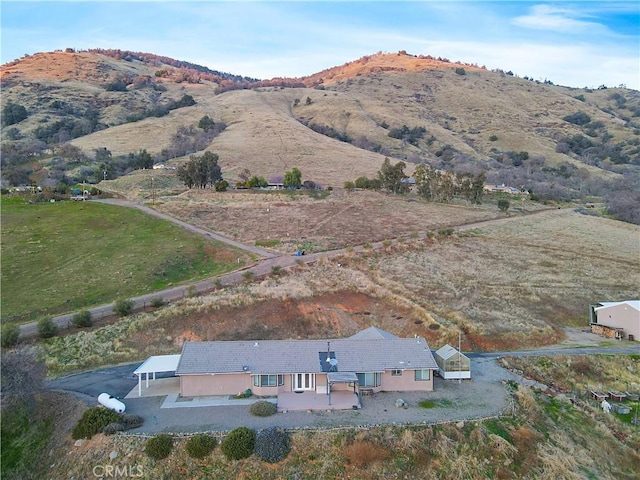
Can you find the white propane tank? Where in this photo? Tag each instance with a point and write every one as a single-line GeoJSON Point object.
{"type": "Point", "coordinates": [111, 403]}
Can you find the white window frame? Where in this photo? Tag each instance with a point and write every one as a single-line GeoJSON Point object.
{"type": "Point", "coordinates": [419, 375]}
{"type": "Point", "coordinates": [278, 380]}
{"type": "Point", "coordinates": [396, 373]}
{"type": "Point", "coordinates": [371, 379]}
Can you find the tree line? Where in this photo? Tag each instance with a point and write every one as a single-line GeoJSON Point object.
{"type": "Point", "coordinates": [431, 184]}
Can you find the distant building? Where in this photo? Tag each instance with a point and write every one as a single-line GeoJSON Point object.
{"type": "Point", "coordinates": [504, 189]}
{"type": "Point", "coordinates": [616, 319]}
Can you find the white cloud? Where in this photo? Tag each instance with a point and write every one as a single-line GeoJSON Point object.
{"type": "Point", "coordinates": [562, 20]}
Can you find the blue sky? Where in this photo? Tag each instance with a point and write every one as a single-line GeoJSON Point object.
{"type": "Point", "coordinates": [574, 43]}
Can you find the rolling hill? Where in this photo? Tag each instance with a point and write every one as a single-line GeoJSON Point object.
{"type": "Point", "coordinates": [335, 125]}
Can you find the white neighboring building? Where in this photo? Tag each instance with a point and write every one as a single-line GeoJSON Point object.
{"type": "Point", "coordinates": [620, 318]}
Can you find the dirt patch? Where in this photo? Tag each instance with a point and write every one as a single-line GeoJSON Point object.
{"type": "Point", "coordinates": [332, 315]}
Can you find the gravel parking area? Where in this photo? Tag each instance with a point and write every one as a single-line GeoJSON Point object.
{"type": "Point", "coordinates": [483, 396]}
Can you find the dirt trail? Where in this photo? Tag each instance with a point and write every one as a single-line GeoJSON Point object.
{"type": "Point", "coordinates": [259, 270]}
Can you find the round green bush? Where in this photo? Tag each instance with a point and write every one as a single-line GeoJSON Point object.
{"type": "Point", "coordinates": [239, 443]}
{"type": "Point", "coordinates": [123, 307]}
{"type": "Point", "coordinates": [159, 447]}
{"type": "Point", "coordinates": [157, 302]}
{"type": "Point", "coordinates": [46, 328]}
{"type": "Point", "coordinates": [10, 334]}
{"type": "Point", "coordinates": [272, 444]}
{"type": "Point", "coordinates": [82, 319]}
{"type": "Point", "coordinates": [201, 445]}
{"type": "Point", "coordinates": [93, 420]}
{"type": "Point", "coordinates": [263, 408]}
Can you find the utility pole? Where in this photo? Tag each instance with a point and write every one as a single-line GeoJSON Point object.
{"type": "Point", "coordinates": [153, 192]}
{"type": "Point", "coordinates": [459, 356]}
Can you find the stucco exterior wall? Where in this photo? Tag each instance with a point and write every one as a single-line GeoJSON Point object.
{"type": "Point", "coordinates": [231, 384]}
{"type": "Point", "coordinates": [621, 316]}
{"type": "Point", "coordinates": [220, 384]}
{"type": "Point", "coordinates": [404, 382]}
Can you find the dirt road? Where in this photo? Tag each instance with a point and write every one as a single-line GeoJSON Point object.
{"type": "Point", "coordinates": [259, 270]}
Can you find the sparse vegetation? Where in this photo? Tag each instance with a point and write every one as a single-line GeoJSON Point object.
{"type": "Point", "coordinates": [159, 447]}
{"type": "Point", "coordinates": [82, 319]}
{"type": "Point", "coordinates": [239, 443]}
{"type": "Point", "coordinates": [263, 408]}
{"type": "Point", "coordinates": [276, 270]}
{"type": "Point", "coordinates": [47, 328]}
{"type": "Point", "coordinates": [272, 444]}
{"type": "Point", "coordinates": [200, 445]}
{"type": "Point", "coordinates": [157, 302]}
{"type": "Point", "coordinates": [10, 333]}
{"type": "Point", "coordinates": [503, 204]}
{"type": "Point", "coordinates": [248, 276]}
{"type": "Point", "coordinates": [123, 307]}
{"type": "Point", "coordinates": [93, 420]}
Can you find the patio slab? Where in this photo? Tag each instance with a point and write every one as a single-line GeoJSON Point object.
{"type": "Point", "coordinates": [305, 401]}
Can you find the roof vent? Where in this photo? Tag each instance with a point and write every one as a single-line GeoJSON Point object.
{"type": "Point", "coordinates": [245, 368]}
{"type": "Point", "coordinates": [255, 344]}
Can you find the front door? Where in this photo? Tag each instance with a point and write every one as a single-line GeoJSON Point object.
{"type": "Point", "coordinates": [304, 381]}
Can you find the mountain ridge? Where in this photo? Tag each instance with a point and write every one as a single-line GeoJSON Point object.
{"type": "Point", "coordinates": [337, 124]}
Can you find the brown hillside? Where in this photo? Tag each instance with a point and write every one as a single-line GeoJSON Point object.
{"type": "Point", "coordinates": [69, 67]}
{"type": "Point", "coordinates": [379, 63]}
{"type": "Point", "coordinates": [481, 116]}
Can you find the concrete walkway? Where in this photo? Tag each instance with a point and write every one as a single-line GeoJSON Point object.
{"type": "Point", "coordinates": [170, 389]}
{"type": "Point", "coordinates": [173, 401]}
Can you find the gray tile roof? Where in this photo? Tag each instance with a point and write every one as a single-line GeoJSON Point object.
{"type": "Point", "coordinates": [373, 332]}
{"type": "Point", "coordinates": [302, 356]}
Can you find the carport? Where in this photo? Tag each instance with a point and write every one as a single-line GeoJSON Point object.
{"type": "Point", "coordinates": [156, 364]}
{"type": "Point", "coordinates": [349, 378]}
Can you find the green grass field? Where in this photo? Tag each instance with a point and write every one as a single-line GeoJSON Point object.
{"type": "Point", "coordinates": [64, 256]}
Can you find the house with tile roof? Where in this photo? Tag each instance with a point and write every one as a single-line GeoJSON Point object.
{"type": "Point", "coordinates": [329, 373]}
{"type": "Point", "coordinates": [616, 319]}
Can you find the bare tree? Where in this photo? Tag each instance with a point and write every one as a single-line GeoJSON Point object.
{"type": "Point", "coordinates": [23, 374]}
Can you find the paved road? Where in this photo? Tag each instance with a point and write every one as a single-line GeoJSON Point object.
{"type": "Point", "coordinates": [259, 270]}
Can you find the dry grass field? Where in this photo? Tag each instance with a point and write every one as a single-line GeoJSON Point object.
{"type": "Point", "coordinates": [319, 223]}
{"type": "Point", "coordinates": [508, 285]}
{"type": "Point", "coordinates": [517, 283]}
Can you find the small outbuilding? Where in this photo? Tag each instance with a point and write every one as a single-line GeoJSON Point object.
{"type": "Point", "coordinates": [619, 320]}
{"type": "Point", "coordinates": [452, 364]}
